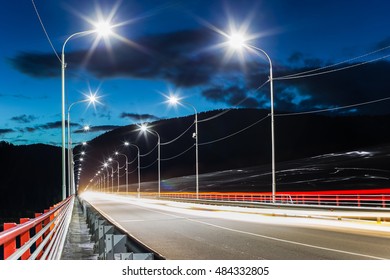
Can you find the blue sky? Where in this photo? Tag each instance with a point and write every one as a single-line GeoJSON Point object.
{"type": "Point", "coordinates": [177, 46]}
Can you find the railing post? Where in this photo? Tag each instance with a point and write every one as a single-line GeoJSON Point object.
{"type": "Point", "coordinates": [10, 246]}
{"type": "Point", "coordinates": [337, 200]}
{"type": "Point", "coordinates": [38, 228]}
{"type": "Point", "coordinates": [24, 238]}
{"type": "Point", "coordinates": [358, 199]}
{"type": "Point", "coordinates": [383, 201]}
{"type": "Point", "coordinates": [52, 218]}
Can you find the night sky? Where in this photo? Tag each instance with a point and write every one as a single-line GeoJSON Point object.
{"type": "Point", "coordinates": [163, 47]}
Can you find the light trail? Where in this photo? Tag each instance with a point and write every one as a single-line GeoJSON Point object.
{"type": "Point", "coordinates": [276, 216]}
{"type": "Point", "coordinates": [180, 211]}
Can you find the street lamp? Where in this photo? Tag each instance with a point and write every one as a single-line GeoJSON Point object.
{"type": "Point", "coordinates": [92, 98]}
{"type": "Point", "coordinates": [108, 177]}
{"type": "Point", "coordinates": [110, 160]}
{"type": "Point", "coordinates": [126, 169]}
{"type": "Point", "coordinates": [237, 41]}
{"type": "Point", "coordinates": [138, 167]}
{"type": "Point", "coordinates": [174, 100]}
{"type": "Point", "coordinates": [145, 128]}
{"type": "Point", "coordinates": [103, 29]}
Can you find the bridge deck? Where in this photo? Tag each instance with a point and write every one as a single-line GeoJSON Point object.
{"type": "Point", "coordinates": [181, 232]}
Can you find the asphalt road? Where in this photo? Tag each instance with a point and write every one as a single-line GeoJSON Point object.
{"type": "Point", "coordinates": [179, 232]}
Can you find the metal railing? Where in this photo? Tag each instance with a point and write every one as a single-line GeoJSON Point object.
{"type": "Point", "coordinates": [48, 234]}
{"type": "Point", "coordinates": [346, 200]}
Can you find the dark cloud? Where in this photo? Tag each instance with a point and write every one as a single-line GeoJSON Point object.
{"type": "Point", "coordinates": [233, 96]}
{"type": "Point", "coordinates": [179, 57]}
{"type": "Point", "coordinates": [350, 86]}
{"type": "Point", "coordinates": [49, 125]}
{"type": "Point", "coordinates": [39, 65]}
{"type": "Point", "coordinates": [295, 57]}
{"type": "Point", "coordinates": [6, 130]}
{"type": "Point", "coordinates": [385, 43]}
{"type": "Point", "coordinates": [28, 129]}
{"type": "Point", "coordinates": [98, 128]}
{"type": "Point", "coordinates": [138, 117]}
{"type": "Point", "coordinates": [103, 112]}
{"type": "Point", "coordinates": [183, 59]}
{"type": "Point", "coordinates": [24, 118]}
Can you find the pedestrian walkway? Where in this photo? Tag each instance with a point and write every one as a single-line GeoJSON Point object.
{"type": "Point", "coordinates": [78, 245]}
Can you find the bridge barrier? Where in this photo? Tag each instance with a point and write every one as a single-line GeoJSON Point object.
{"type": "Point", "coordinates": [346, 200]}
{"type": "Point", "coordinates": [113, 243]}
{"type": "Point", "coordinates": [40, 238]}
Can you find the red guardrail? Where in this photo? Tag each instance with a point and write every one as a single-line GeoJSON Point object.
{"type": "Point", "coordinates": [381, 200]}
{"type": "Point", "coordinates": [44, 228]}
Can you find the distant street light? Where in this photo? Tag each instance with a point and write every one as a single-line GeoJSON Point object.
{"type": "Point", "coordinates": [126, 170]}
{"type": "Point", "coordinates": [174, 100]}
{"type": "Point", "coordinates": [237, 41]}
{"type": "Point", "coordinates": [102, 28]}
{"type": "Point", "coordinates": [145, 128]}
{"type": "Point", "coordinates": [138, 167]}
{"type": "Point", "coordinates": [110, 160]}
{"type": "Point", "coordinates": [92, 98]}
{"type": "Point", "coordinates": [106, 165]}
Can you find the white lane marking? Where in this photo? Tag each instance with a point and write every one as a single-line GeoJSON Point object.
{"type": "Point", "coordinates": [289, 241]}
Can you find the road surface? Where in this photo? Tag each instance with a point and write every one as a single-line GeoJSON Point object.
{"type": "Point", "coordinates": [185, 231]}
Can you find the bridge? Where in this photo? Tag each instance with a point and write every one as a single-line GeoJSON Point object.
{"type": "Point", "coordinates": [211, 227]}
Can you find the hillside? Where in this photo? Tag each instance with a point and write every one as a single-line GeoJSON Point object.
{"type": "Point", "coordinates": [296, 137]}
{"type": "Point", "coordinates": [31, 175]}
{"type": "Point", "coordinates": [30, 179]}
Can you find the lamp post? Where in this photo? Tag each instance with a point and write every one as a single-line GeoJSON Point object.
{"type": "Point", "coordinates": [138, 167]}
{"type": "Point", "coordinates": [117, 162]}
{"type": "Point", "coordinates": [238, 41]}
{"type": "Point", "coordinates": [108, 178]}
{"type": "Point", "coordinates": [174, 100]}
{"type": "Point", "coordinates": [103, 29]}
{"type": "Point", "coordinates": [91, 99]}
{"type": "Point", "coordinates": [145, 128]}
{"type": "Point", "coordinates": [126, 169]}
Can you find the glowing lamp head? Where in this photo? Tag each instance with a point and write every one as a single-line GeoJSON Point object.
{"type": "Point", "coordinates": [110, 159]}
{"type": "Point", "coordinates": [127, 143]}
{"type": "Point", "coordinates": [87, 128]}
{"type": "Point", "coordinates": [103, 28]}
{"type": "Point", "coordinates": [173, 100]}
{"type": "Point", "coordinates": [144, 127]}
{"type": "Point", "coordinates": [237, 41]}
{"type": "Point", "coordinates": [92, 98]}
{"type": "Point", "coordinates": [105, 164]}
{"type": "Point", "coordinates": [116, 153]}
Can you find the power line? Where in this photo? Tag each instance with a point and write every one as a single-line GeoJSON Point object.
{"type": "Point", "coordinates": [333, 70]}
{"type": "Point", "coordinates": [182, 153]}
{"type": "Point", "coordinates": [235, 105]}
{"type": "Point", "coordinates": [144, 167]}
{"type": "Point", "coordinates": [169, 142]}
{"type": "Point", "coordinates": [307, 73]}
{"type": "Point", "coordinates": [44, 30]}
{"type": "Point", "coordinates": [332, 109]}
{"type": "Point", "coordinates": [235, 133]}
{"type": "Point", "coordinates": [148, 153]}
